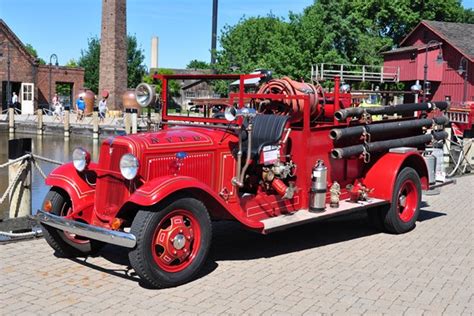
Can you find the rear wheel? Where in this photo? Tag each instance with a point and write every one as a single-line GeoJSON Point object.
{"type": "Point", "coordinates": [403, 212]}
{"type": "Point", "coordinates": [65, 243]}
{"type": "Point", "coordinates": [172, 244]}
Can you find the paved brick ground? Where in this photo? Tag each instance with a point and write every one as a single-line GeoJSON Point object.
{"type": "Point", "coordinates": [342, 266]}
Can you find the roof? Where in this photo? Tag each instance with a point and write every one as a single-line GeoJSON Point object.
{"type": "Point", "coordinates": [400, 50]}
{"type": "Point", "coordinates": [458, 35]}
{"type": "Point", "coordinates": [16, 41]}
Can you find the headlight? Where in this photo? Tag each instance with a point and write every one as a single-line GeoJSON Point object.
{"type": "Point", "coordinates": [129, 166]}
{"type": "Point", "coordinates": [80, 159]}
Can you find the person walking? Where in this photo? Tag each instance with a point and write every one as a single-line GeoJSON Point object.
{"type": "Point", "coordinates": [102, 109]}
{"type": "Point", "coordinates": [80, 108]}
{"type": "Point", "coordinates": [14, 98]}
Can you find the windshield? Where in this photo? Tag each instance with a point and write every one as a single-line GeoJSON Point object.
{"type": "Point", "coordinates": [204, 98]}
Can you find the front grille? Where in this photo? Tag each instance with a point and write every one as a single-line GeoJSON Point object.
{"type": "Point", "coordinates": [196, 165]}
{"type": "Point", "coordinates": [111, 189]}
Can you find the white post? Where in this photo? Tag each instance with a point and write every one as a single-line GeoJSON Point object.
{"type": "Point", "coordinates": [11, 120]}
{"type": "Point", "coordinates": [66, 122]}
{"type": "Point", "coordinates": [39, 115]}
{"type": "Point", "coordinates": [126, 121]}
{"type": "Point", "coordinates": [95, 124]}
{"type": "Point", "coordinates": [134, 121]}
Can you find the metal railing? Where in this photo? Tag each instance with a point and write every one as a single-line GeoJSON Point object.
{"type": "Point", "coordinates": [346, 72]}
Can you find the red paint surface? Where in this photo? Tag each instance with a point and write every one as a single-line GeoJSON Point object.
{"type": "Point", "coordinates": [209, 166]}
{"type": "Point", "coordinates": [445, 80]}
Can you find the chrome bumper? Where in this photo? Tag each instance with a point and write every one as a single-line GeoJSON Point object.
{"type": "Point", "coordinates": [89, 231]}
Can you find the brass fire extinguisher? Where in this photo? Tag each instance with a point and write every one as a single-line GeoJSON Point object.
{"type": "Point", "coordinates": [317, 201]}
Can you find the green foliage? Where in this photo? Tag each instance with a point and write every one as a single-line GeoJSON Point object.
{"type": "Point", "coordinates": [135, 67]}
{"type": "Point", "coordinates": [331, 31]}
{"type": "Point", "coordinates": [198, 64]}
{"type": "Point", "coordinates": [72, 63]}
{"type": "Point", "coordinates": [63, 89]}
{"type": "Point", "coordinates": [32, 51]}
{"type": "Point", "coordinates": [260, 42]}
{"type": "Point", "coordinates": [90, 59]}
{"type": "Point", "coordinates": [173, 85]}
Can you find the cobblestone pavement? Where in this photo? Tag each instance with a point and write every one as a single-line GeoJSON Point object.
{"type": "Point", "coordinates": [341, 266]}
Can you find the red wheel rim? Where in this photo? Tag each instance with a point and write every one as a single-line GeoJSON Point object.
{"type": "Point", "coordinates": [67, 211]}
{"type": "Point", "coordinates": [407, 200]}
{"type": "Point", "coordinates": [176, 241]}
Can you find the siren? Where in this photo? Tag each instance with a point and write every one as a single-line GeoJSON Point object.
{"type": "Point", "coordinates": [145, 94]}
{"type": "Point", "coordinates": [231, 113]}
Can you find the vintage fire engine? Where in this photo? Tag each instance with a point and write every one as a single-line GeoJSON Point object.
{"type": "Point", "coordinates": [284, 155]}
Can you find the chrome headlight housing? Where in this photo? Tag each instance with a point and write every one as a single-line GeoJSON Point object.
{"type": "Point", "coordinates": [129, 166]}
{"type": "Point", "coordinates": [80, 159]}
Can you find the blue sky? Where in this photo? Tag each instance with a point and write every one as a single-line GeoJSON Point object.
{"type": "Point", "coordinates": [183, 26]}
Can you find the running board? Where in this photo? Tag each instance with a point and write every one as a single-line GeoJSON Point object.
{"type": "Point", "coordinates": [304, 216]}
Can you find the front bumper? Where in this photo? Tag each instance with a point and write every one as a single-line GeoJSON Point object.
{"type": "Point", "coordinates": [89, 231]}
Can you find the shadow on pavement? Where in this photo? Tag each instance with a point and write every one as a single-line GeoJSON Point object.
{"type": "Point", "coordinates": [427, 215]}
{"type": "Point", "coordinates": [231, 241]}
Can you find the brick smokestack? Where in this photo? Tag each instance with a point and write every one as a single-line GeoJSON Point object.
{"type": "Point", "coordinates": [113, 52]}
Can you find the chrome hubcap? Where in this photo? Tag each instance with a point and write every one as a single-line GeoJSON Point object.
{"type": "Point", "coordinates": [179, 241]}
{"type": "Point", "coordinates": [403, 200]}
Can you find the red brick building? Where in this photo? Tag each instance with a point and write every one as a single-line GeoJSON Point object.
{"type": "Point", "coordinates": [29, 79]}
{"type": "Point", "coordinates": [428, 42]}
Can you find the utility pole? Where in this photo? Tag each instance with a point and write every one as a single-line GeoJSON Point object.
{"type": "Point", "coordinates": [214, 35]}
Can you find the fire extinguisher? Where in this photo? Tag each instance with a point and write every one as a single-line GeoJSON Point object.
{"type": "Point", "coordinates": [317, 201]}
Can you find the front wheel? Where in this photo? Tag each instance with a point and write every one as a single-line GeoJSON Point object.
{"type": "Point", "coordinates": [172, 244]}
{"type": "Point", "coordinates": [403, 212]}
{"type": "Point", "coordinates": [66, 244]}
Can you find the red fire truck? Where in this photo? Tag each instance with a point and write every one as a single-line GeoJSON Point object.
{"type": "Point", "coordinates": [286, 154]}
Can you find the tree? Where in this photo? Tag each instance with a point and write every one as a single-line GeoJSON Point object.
{"type": "Point", "coordinates": [198, 64]}
{"type": "Point", "coordinates": [260, 42]}
{"type": "Point", "coordinates": [330, 31]}
{"type": "Point", "coordinates": [135, 67]}
{"type": "Point", "coordinates": [90, 60]}
{"type": "Point", "coordinates": [173, 85]}
{"type": "Point", "coordinates": [72, 63]}
{"type": "Point", "coordinates": [32, 51]}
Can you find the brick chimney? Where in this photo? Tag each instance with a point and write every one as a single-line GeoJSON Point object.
{"type": "Point", "coordinates": [113, 52]}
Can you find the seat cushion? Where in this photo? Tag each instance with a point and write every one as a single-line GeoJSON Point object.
{"type": "Point", "coordinates": [267, 130]}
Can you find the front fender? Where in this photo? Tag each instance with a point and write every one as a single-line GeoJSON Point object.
{"type": "Point", "coordinates": [383, 174]}
{"type": "Point", "coordinates": [68, 179]}
{"type": "Point", "coordinates": [159, 188]}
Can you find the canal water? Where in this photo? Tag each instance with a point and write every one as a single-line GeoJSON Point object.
{"type": "Point", "coordinates": [50, 146]}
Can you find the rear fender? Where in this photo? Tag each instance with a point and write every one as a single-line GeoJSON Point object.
{"type": "Point", "coordinates": [67, 178]}
{"type": "Point", "coordinates": [158, 189]}
{"type": "Point", "coordinates": [383, 174]}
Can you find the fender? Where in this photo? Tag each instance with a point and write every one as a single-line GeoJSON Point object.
{"type": "Point", "coordinates": [383, 174]}
{"type": "Point", "coordinates": [159, 188]}
{"type": "Point", "coordinates": [67, 178]}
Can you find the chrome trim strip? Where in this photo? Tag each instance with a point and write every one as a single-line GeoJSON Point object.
{"type": "Point", "coordinates": [89, 231]}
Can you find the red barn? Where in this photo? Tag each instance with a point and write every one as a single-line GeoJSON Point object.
{"type": "Point", "coordinates": [443, 47]}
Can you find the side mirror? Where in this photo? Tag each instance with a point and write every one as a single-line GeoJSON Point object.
{"type": "Point", "coordinates": [145, 94]}
{"type": "Point", "coordinates": [231, 113]}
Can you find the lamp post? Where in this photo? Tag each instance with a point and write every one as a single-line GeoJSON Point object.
{"type": "Point", "coordinates": [439, 60]}
{"type": "Point", "coordinates": [464, 70]}
{"type": "Point", "coordinates": [50, 75]}
{"type": "Point", "coordinates": [415, 89]}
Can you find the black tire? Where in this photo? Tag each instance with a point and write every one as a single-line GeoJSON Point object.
{"type": "Point", "coordinates": [57, 239]}
{"type": "Point", "coordinates": [404, 209]}
{"type": "Point", "coordinates": [154, 263]}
